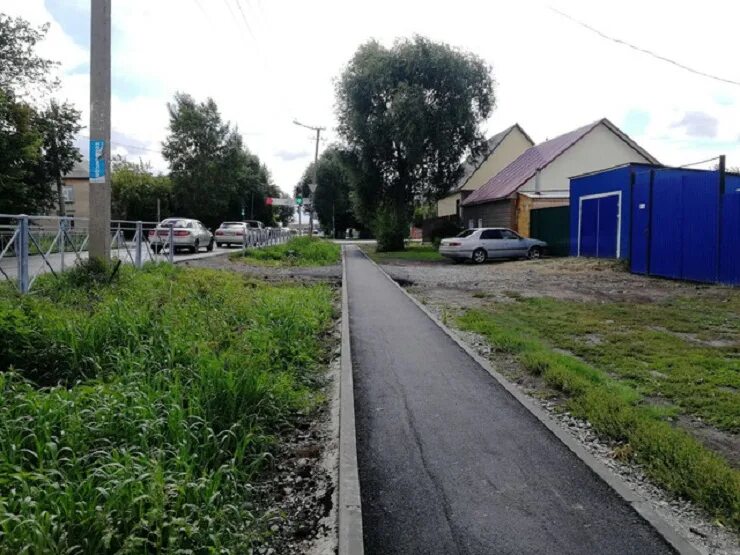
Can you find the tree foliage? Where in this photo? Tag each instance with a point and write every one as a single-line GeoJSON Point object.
{"type": "Point", "coordinates": [36, 147]}
{"type": "Point", "coordinates": [136, 190]}
{"type": "Point", "coordinates": [59, 125]}
{"type": "Point", "coordinates": [332, 197]}
{"type": "Point", "coordinates": [410, 114]}
{"type": "Point", "coordinates": [214, 176]}
{"type": "Point", "coordinates": [22, 190]}
{"type": "Point", "coordinates": [20, 66]}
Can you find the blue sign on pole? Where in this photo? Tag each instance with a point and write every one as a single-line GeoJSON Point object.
{"type": "Point", "coordinates": [97, 161]}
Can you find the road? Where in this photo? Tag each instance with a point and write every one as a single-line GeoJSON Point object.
{"type": "Point", "coordinates": [449, 461]}
{"type": "Point", "coordinates": [9, 265]}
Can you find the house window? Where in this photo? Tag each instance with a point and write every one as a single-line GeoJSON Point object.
{"type": "Point", "coordinates": [471, 224]}
{"type": "Point", "coordinates": [457, 208]}
{"type": "Point", "coordinates": [68, 193]}
{"type": "Point", "coordinates": [480, 222]}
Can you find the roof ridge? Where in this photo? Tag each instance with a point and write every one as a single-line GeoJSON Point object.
{"type": "Point", "coordinates": [532, 160]}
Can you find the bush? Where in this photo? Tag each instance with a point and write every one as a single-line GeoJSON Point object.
{"type": "Point", "coordinates": [443, 230]}
{"type": "Point", "coordinates": [391, 229]}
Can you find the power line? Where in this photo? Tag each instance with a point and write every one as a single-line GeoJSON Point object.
{"type": "Point", "coordinates": [249, 28]}
{"type": "Point", "coordinates": [644, 50]}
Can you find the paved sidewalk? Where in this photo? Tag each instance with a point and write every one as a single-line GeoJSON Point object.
{"type": "Point", "coordinates": [449, 461]}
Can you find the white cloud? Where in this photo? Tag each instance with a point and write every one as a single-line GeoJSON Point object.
{"type": "Point", "coordinates": [552, 75]}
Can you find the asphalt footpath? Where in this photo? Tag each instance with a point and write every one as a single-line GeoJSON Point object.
{"type": "Point", "coordinates": [449, 461]}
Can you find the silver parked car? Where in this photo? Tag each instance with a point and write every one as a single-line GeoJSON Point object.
{"type": "Point", "coordinates": [254, 224]}
{"type": "Point", "coordinates": [186, 234]}
{"type": "Point", "coordinates": [481, 244]}
{"type": "Point", "coordinates": [229, 233]}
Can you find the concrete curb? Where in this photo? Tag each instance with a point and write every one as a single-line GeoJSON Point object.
{"type": "Point", "coordinates": [672, 536]}
{"type": "Point", "coordinates": [350, 505]}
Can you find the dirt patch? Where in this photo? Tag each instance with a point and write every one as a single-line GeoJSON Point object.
{"type": "Point", "coordinates": [560, 278]}
{"type": "Point", "coordinates": [307, 274]}
{"type": "Point", "coordinates": [724, 443]}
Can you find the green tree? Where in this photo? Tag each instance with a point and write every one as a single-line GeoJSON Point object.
{"type": "Point", "coordinates": [214, 176]}
{"type": "Point", "coordinates": [332, 197]}
{"type": "Point", "coordinates": [410, 114]}
{"type": "Point", "coordinates": [20, 66]}
{"type": "Point", "coordinates": [136, 190]}
{"type": "Point", "coordinates": [22, 187]}
{"type": "Point", "coordinates": [59, 125]}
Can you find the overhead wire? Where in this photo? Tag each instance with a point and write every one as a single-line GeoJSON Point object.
{"type": "Point", "coordinates": [645, 50]}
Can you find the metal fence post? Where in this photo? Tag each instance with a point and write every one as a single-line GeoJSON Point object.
{"type": "Point", "coordinates": [22, 254]}
{"type": "Point", "coordinates": [137, 246]}
{"type": "Point", "coordinates": [62, 238]}
{"type": "Point", "coordinates": [171, 253]}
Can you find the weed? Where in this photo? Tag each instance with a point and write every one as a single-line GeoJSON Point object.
{"type": "Point", "coordinates": [300, 251]}
{"type": "Point", "coordinates": [135, 416]}
{"type": "Point", "coordinates": [606, 383]}
{"type": "Point", "coordinates": [414, 251]}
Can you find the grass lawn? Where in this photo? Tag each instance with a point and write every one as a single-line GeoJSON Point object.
{"type": "Point", "coordinates": [135, 416]}
{"type": "Point", "coordinates": [300, 251]}
{"type": "Point", "coordinates": [630, 369]}
{"type": "Point", "coordinates": [420, 252]}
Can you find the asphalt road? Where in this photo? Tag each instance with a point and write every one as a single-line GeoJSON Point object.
{"type": "Point", "coordinates": [36, 263]}
{"type": "Point", "coordinates": [450, 462]}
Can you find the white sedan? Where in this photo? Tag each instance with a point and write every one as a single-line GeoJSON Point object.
{"type": "Point", "coordinates": [481, 244]}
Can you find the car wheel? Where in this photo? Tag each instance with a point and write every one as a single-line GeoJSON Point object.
{"type": "Point", "coordinates": [157, 248]}
{"type": "Point", "coordinates": [209, 248]}
{"type": "Point", "coordinates": [534, 253]}
{"type": "Point", "coordinates": [195, 247]}
{"type": "Point", "coordinates": [220, 245]}
{"type": "Point", "coordinates": [479, 256]}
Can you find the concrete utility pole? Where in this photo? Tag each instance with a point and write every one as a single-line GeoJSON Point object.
{"type": "Point", "coordinates": [315, 171]}
{"type": "Point", "coordinates": [100, 89]}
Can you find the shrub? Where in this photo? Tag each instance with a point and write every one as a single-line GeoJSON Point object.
{"type": "Point", "coordinates": [391, 229]}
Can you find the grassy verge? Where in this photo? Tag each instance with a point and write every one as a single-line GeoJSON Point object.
{"type": "Point", "coordinates": [300, 251]}
{"type": "Point", "coordinates": [420, 252]}
{"type": "Point", "coordinates": [631, 371]}
{"type": "Point", "coordinates": [135, 417]}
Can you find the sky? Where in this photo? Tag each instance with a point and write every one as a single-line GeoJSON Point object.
{"type": "Point", "coordinates": [268, 62]}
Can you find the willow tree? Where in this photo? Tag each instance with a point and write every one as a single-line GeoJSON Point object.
{"type": "Point", "coordinates": [410, 114]}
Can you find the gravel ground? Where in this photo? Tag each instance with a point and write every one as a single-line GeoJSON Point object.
{"type": "Point", "coordinates": [444, 288]}
{"type": "Point", "coordinates": [308, 274]}
{"type": "Point", "coordinates": [561, 278]}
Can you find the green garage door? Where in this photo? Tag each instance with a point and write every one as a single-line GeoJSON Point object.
{"type": "Point", "coordinates": [551, 225]}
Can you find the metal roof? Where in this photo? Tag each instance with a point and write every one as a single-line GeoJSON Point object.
{"type": "Point", "coordinates": [536, 158]}
{"type": "Point", "coordinates": [471, 164]}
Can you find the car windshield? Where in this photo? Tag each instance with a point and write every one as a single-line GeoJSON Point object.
{"type": "Point", "coordinates": [253, 224]}
{"type": "Point", "coordinates": [176, 223]}
{"type": "Point", "coordinates": [466, 233]}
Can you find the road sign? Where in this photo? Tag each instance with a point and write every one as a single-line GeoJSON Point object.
{"type": "Point", "coordinates": [299, 200]}
{"type": "Point", "coordinates": [274, 201]}
{"type": "Point", "coordinates": [97, 161]}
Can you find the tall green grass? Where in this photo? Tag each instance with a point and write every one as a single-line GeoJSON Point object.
{"type": "Point", "coordinates": [613, 406]}
{"type": "Point", "coordinates": [300, 251]}
{"type": "Point", "coordinates": [135, 417]}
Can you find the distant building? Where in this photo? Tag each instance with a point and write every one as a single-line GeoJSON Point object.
{"type": "Point", "coordinates": [539, 177]}
{"type": "Point", "coordinates": [501, 149]}
{"type": "Point", "coordinates": [77, 191]}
